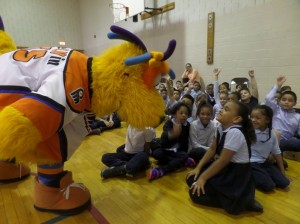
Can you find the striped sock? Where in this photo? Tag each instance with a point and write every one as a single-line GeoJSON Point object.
{"type": "Point", "coordinates": [50, 175]}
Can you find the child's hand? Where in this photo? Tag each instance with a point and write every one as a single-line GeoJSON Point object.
{"type": "Point", "coordinates": [110, 124]}
{"type": "Point", "coordinates": [106, 123]}
{"type": "Point", "coordinates": [198, 186]}
{"type": "Point", "coordinates": [280, 80]}
{"type": "Point", "coordinates": [168, 80]}
{"type": "Point", "coordinates": [216, 72]}
{"type": "Point", "coordinates": [195, 172]}
{"type": "Point", "coordinates": [251, 73]}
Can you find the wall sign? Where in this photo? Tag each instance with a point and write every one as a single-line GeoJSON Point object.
{"type": "Point", "coordinates": [210, 37]}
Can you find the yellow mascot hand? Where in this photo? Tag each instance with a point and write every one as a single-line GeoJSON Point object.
{"type": "Point", "coordinates": [18, 134]}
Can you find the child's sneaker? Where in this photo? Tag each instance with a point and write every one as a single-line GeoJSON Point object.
{"type": "Point", "coordinates": [113, 171]}
{"type": "Point", "coordinates": [96, 131]}
{"type": "Point", "coordinates": [190, 162]}
{"type": "Point", "coordinates": [155, 173]}
{"type": "Point", "coordinates": [291, 155]}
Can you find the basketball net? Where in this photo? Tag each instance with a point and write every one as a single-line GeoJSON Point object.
{"type": "Point", "coordinates": [120, 11]}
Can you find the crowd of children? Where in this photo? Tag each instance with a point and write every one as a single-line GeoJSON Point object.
{"type": "Point", "coordinates": [233, 143]}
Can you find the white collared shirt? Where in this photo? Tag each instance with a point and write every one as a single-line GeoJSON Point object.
{"type": "Point", "coordinates": [235, 141]}
{"type": "Point", "coordinates": [201, 136]}
{"type": "Point", "coordinates": [261, 150]}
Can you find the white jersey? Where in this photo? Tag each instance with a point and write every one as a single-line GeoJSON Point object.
{"type": "Point", "coordinates": [51, 87]}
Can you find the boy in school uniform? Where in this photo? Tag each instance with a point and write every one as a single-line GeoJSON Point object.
{"type": "Point", "coordinates": [132, 157]}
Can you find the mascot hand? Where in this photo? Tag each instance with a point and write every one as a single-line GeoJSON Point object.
{"type": "Point", "coordinates": [18, 135]}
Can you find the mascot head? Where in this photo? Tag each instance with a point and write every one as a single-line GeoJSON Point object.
{"type": "Point", "coordinates": [6, 42]}
{"type": "Point", "coordinates": [124, 79]}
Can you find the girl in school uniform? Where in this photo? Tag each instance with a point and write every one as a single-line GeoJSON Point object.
{"type": "Point", "coordinates": [223, 177]}
{"type": "Point", "coordinates": [266, 175]}
{"type": "Point", "coordinates": [173, 144]}
{"type": "Point", "coordinates": [202, 131]}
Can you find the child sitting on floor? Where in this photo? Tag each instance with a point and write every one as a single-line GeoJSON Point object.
{"type": "Point", "coordinates": [105, 123]}
{"type": "Point", "coordinates": [223, 177]}
{"type": "Point", "coordinates": [202, 131]}
{"type": "Point", "coordinates": [266, 175]}
{"type": "Point", "coordinates": [172, 152]}
{"type": "Point", "coordinates": [132, 157]}
{"type": "Point", "coordinates": [285, 120]}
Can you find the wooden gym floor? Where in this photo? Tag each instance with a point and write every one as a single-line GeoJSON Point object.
{"type": "Point", "coordinates": [126, 200]}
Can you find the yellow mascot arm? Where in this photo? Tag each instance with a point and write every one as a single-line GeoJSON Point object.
{"type": "Point", "coordinates": [24, 124]}
{"type": "Point", "coordinates": [6, 43]}
{"type": "Point", "coordinates": [18, 134]}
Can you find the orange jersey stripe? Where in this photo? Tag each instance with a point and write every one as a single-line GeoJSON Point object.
{"type": "Point", "coordinates": [8, 98]}
{"type": "Point", "coordinates": [10, 94]}
{"type": "Point", "coordinates": [44, 113]}
{"type": "Point", "coordinates": [50, 171]}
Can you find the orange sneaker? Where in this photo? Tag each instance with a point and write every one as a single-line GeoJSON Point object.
{"type": "Point", "coordinates": [70, 199]}
{"type": "Point", "coordinates": [11, 172]}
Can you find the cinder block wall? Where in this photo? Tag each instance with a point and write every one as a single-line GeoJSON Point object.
{"type": "Point", "coordinates": [43, 22]}
{"type": "Point", "coordinates": [263, 35]}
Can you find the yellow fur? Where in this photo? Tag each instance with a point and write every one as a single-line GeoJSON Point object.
{"type": "Point", "coordinates": [126, 94]}
{"type": "Point", "coordinates": [116, 87]}
{"type": "Point", "coordinates": [6, 43]}
{"type": "Point", "coordinates": [19, 137]}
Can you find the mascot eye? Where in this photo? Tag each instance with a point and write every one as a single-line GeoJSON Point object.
{"type": "Point", "coordinates": [126, 74]}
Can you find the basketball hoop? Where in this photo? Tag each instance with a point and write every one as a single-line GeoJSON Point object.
{"type": "Point", "coordinates": [120, 11]}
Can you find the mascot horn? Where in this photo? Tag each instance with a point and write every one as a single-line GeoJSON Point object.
{"type": "Point", "coordinates": [47, 93]}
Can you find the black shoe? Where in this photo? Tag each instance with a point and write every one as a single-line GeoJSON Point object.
{"type": "Point", "coordinates": [255, 206]}
{"type": "Point", "coordinates": [113, 171]}
{"type": "Point", "coordinates": [285, 164]}
{"type": "Point", "coordinates": [96, 131]}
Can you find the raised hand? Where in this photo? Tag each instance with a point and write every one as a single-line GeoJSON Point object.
{"type": "Point", "coordinates": [251, 73]}
{"type": "Point", "coordinates": [216, 72]}
{"type": "Point", "coordinates": [280, 80]}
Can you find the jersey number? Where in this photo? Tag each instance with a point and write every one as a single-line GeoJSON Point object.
{"type": "Point", "coordinates": [25, 55]}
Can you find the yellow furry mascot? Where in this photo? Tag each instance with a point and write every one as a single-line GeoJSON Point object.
{"type": "Point", "coordinates": [47, 93]}
{"type": "Point", "coordinates": [10, 171]}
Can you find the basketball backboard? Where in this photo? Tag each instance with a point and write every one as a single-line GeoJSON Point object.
{"type": "Point", "coordinates": [238, 81]}
{"type": "Point", "coordinates": [133, 7]}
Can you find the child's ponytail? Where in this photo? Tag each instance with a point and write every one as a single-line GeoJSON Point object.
{"type": "Point", "coordinates": [248, 129]}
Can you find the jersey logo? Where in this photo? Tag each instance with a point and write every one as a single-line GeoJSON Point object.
{"type": "Point", "coordinates": [77, 95]}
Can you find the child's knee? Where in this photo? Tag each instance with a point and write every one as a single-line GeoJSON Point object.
{"type": "Point", "coordinates": [267, 187]}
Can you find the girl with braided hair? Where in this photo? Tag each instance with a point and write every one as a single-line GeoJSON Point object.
{"type": "Point", "coordinates": [266, 175]}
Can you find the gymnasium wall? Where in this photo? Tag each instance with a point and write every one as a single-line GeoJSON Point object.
{"type": "Point", "coordinates": [259, 34]}
{"type": "Point", "coordinates": [42, 22]}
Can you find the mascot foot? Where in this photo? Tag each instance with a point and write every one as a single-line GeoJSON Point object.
{"type": "Point", "coordinates": [11, 172]}
{"type": "Point", "coordinates": [70, 199]}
